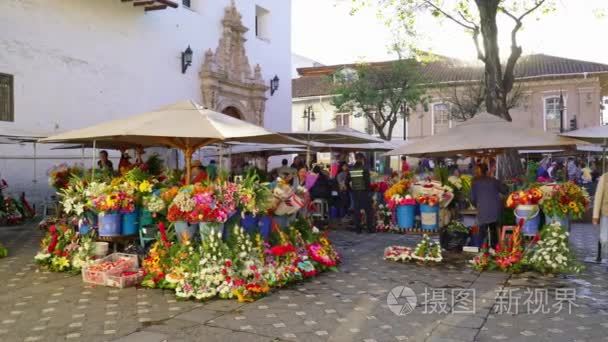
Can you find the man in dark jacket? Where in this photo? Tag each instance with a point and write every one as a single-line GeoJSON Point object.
{"type": "Point", "coordinates": [485, 195]}
{"type": "Point", "coordinates": [360, 186]}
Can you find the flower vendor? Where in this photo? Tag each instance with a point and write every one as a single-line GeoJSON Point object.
{"type": "Point", "coordinates": [104, 163]}
{"type": "Point", "coordinates": [485, 196]}
{"type": "Point", "coordinates": [360, 189]}
{"type": "Point", "coordinates": [600, 211]}
{"type": "Point", "coordinates": [197, 173]}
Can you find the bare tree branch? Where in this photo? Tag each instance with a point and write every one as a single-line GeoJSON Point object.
{"type": "Point", "coordinates": [449, 16]}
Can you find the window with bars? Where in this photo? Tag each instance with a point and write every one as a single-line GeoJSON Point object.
{"type": "Point", "coordinates": [342, 120]}
{"type": "Point", "coordinates": [441, 117]}
{"type": "Point", "coordinates": [552, 115]}
{"type": "Point", "coordinates": [6, 98]}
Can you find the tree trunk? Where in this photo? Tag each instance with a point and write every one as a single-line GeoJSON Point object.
{"type": "Point", "coordinates": [496, 98]}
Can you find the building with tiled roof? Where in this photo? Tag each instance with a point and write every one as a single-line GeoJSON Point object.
{"type": "Point", "coordinates": [541, 79]}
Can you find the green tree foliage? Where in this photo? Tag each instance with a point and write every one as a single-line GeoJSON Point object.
{"type": "Point", "coordinates": [380, 93]}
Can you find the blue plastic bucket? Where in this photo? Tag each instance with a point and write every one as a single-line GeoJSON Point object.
{"type": "Point", "coordinates": [84, 228]}
{"type": "Point", "coordinates": [406, 215]}
{"type": "Point", "coordinates": [429, 217]}
{"type": "Point", "coordinates": [265, 223]}
{"type": "Point", "coordinates": [250, 223]}
{"type": "Point", "coordinates": [129, 223]}
{"type": "Point", "coordinates": [184, 230]}
{"type": "Point", "coordinates": [109, 224]}
{"type": "Point", "coordinates": [530, 214]}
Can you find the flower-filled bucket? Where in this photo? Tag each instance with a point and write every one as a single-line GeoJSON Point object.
{"type": "Point", "coordinates": [184, 231]}
{"type": "Point", "coordinates": [110, 224]}
{"type": "Point", "coordinates": [406, 215]}
{"type": "Point", "coordinates": [429, 217]}
{"type": "Point", "coordinates": [129, 223]}
{"type": "Point", "coordinates": [250, 223]}
{"type": "Point", "coordinates": [530, 214]}
{"type": "Point", "coordinates": [206, 228]}
{"type": "Point", "coordinates": [265, 224]}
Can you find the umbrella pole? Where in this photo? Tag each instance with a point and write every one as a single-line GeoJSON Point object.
{"type": "Point", "coordinates": [188, 157]}
{"type": "Point", "coordinates": [93, 159]}
{"type": "Point", "coordinates": [308, 154]}
{"type": "Point", "coordinates": [604, 157]}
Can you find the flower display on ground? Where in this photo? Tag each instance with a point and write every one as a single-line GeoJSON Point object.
{"type": "Point", "coordinates": [552, 255]}
{"type": "Point", "coordinates": [64, 250]}
{"type": "Point", "coordinates": [243, 267]}
{"type": "Point", "coordinates": [426, 251]}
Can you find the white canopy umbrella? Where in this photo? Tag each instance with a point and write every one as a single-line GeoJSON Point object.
{"type": "Point", "coordinates": [485, 133]}
{"type": "Point", "coordinates": [596, 135]}
{"type": "Point", "coordinates": [185, 125]}
{"type": "Point", "coordinates": [332, 137]}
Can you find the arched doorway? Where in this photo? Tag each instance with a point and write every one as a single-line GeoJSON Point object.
{"type": "Point", "coordinates": [232, 111]}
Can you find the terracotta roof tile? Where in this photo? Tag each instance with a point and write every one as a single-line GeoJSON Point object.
{"type": "Point", "coordinates": [316, 81]}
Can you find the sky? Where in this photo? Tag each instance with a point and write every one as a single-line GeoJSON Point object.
{"type": "Point", "coordinates": [323, 30]}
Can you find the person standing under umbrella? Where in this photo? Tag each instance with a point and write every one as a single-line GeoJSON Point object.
{"type": "Point", "coordinates": [485, 196]}
{"type": "Point", "coordinates": [360, 188]}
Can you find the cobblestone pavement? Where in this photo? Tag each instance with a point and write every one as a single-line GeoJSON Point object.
{"type": "Point", "coordinates": [350, 305]}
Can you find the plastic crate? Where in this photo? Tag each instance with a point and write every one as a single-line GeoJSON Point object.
{"type": "Point", "coordinates": [121, 281]}
{"type": "Point", "coordinates": [99, 277]}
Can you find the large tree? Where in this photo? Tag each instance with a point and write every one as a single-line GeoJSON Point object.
{"type": "Point", "coordinates": [479, 19]}
{"type": "Point", "coordinates": [380, 93]}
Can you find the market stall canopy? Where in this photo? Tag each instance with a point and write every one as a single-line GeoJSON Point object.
{"type": "Point", "coordinates": [377, 145]}
{"type": "Point", "coordinates": [262, 149]}
{"type": "Point", "coordinates": [185, 125]}
{"type": "Point", "coordinates": [22, 135]}
{"type": "Point", "coordinates": [485, 133]}
{"type": "Point", "coordinates": [595, 134]}
{"type": "Point", "coordinates": [369, 147]}
{"type": "Point", "coordinates": [336, 136]}
{"type": "Point", "coordinates": [182, 125]}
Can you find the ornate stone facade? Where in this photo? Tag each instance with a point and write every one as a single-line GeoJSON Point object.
{"type": "Point", "coordinates": [227, 79]}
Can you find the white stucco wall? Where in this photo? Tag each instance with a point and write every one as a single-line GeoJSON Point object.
{"type": "Point", "coordinates": [77, 63]}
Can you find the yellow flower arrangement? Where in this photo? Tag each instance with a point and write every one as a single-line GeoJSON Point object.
{"type": "Point", "coordinates": [400, 188]}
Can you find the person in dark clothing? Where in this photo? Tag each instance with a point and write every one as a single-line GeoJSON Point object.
{"type": "Point", "coordinates": [359, 180]}
{"type": "Point", "coordinates": [343, 189]}
{"type": "Point", "coordinates": [485, 196]}
{"type": "Point", "coordinates": [321, 189]}
{"type": "Point", "coordinates": [104, 163]}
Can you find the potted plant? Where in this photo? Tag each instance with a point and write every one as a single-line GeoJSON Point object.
{"type": "Point", "coordinates": [454, 236]}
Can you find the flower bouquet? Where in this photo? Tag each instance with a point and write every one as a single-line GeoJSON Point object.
{"type": "Point", "coordinates": [566, 200]}
{"type": "Point", "coordinates": [397, 190]}
{"type": "Point", "coordinates": [532, 196]}
{"type": "Point", "coordinates": [552, 255]}
{"type": "Point", "coordinates": [432, 190]}
{"type": "Point", "coordinates": [398, 253]}
{"type": "Point", "coordinates": [63, 250]}
{"type": "Point", "coordinates": [59, 175]}
{"type": "Point", "coordinates": [425, 251]}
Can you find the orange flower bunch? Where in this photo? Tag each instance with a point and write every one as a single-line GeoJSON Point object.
{"type": "Point", "coordinates": [431, 200]}
{"type": "Point", "coordinates": [531, 196]}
